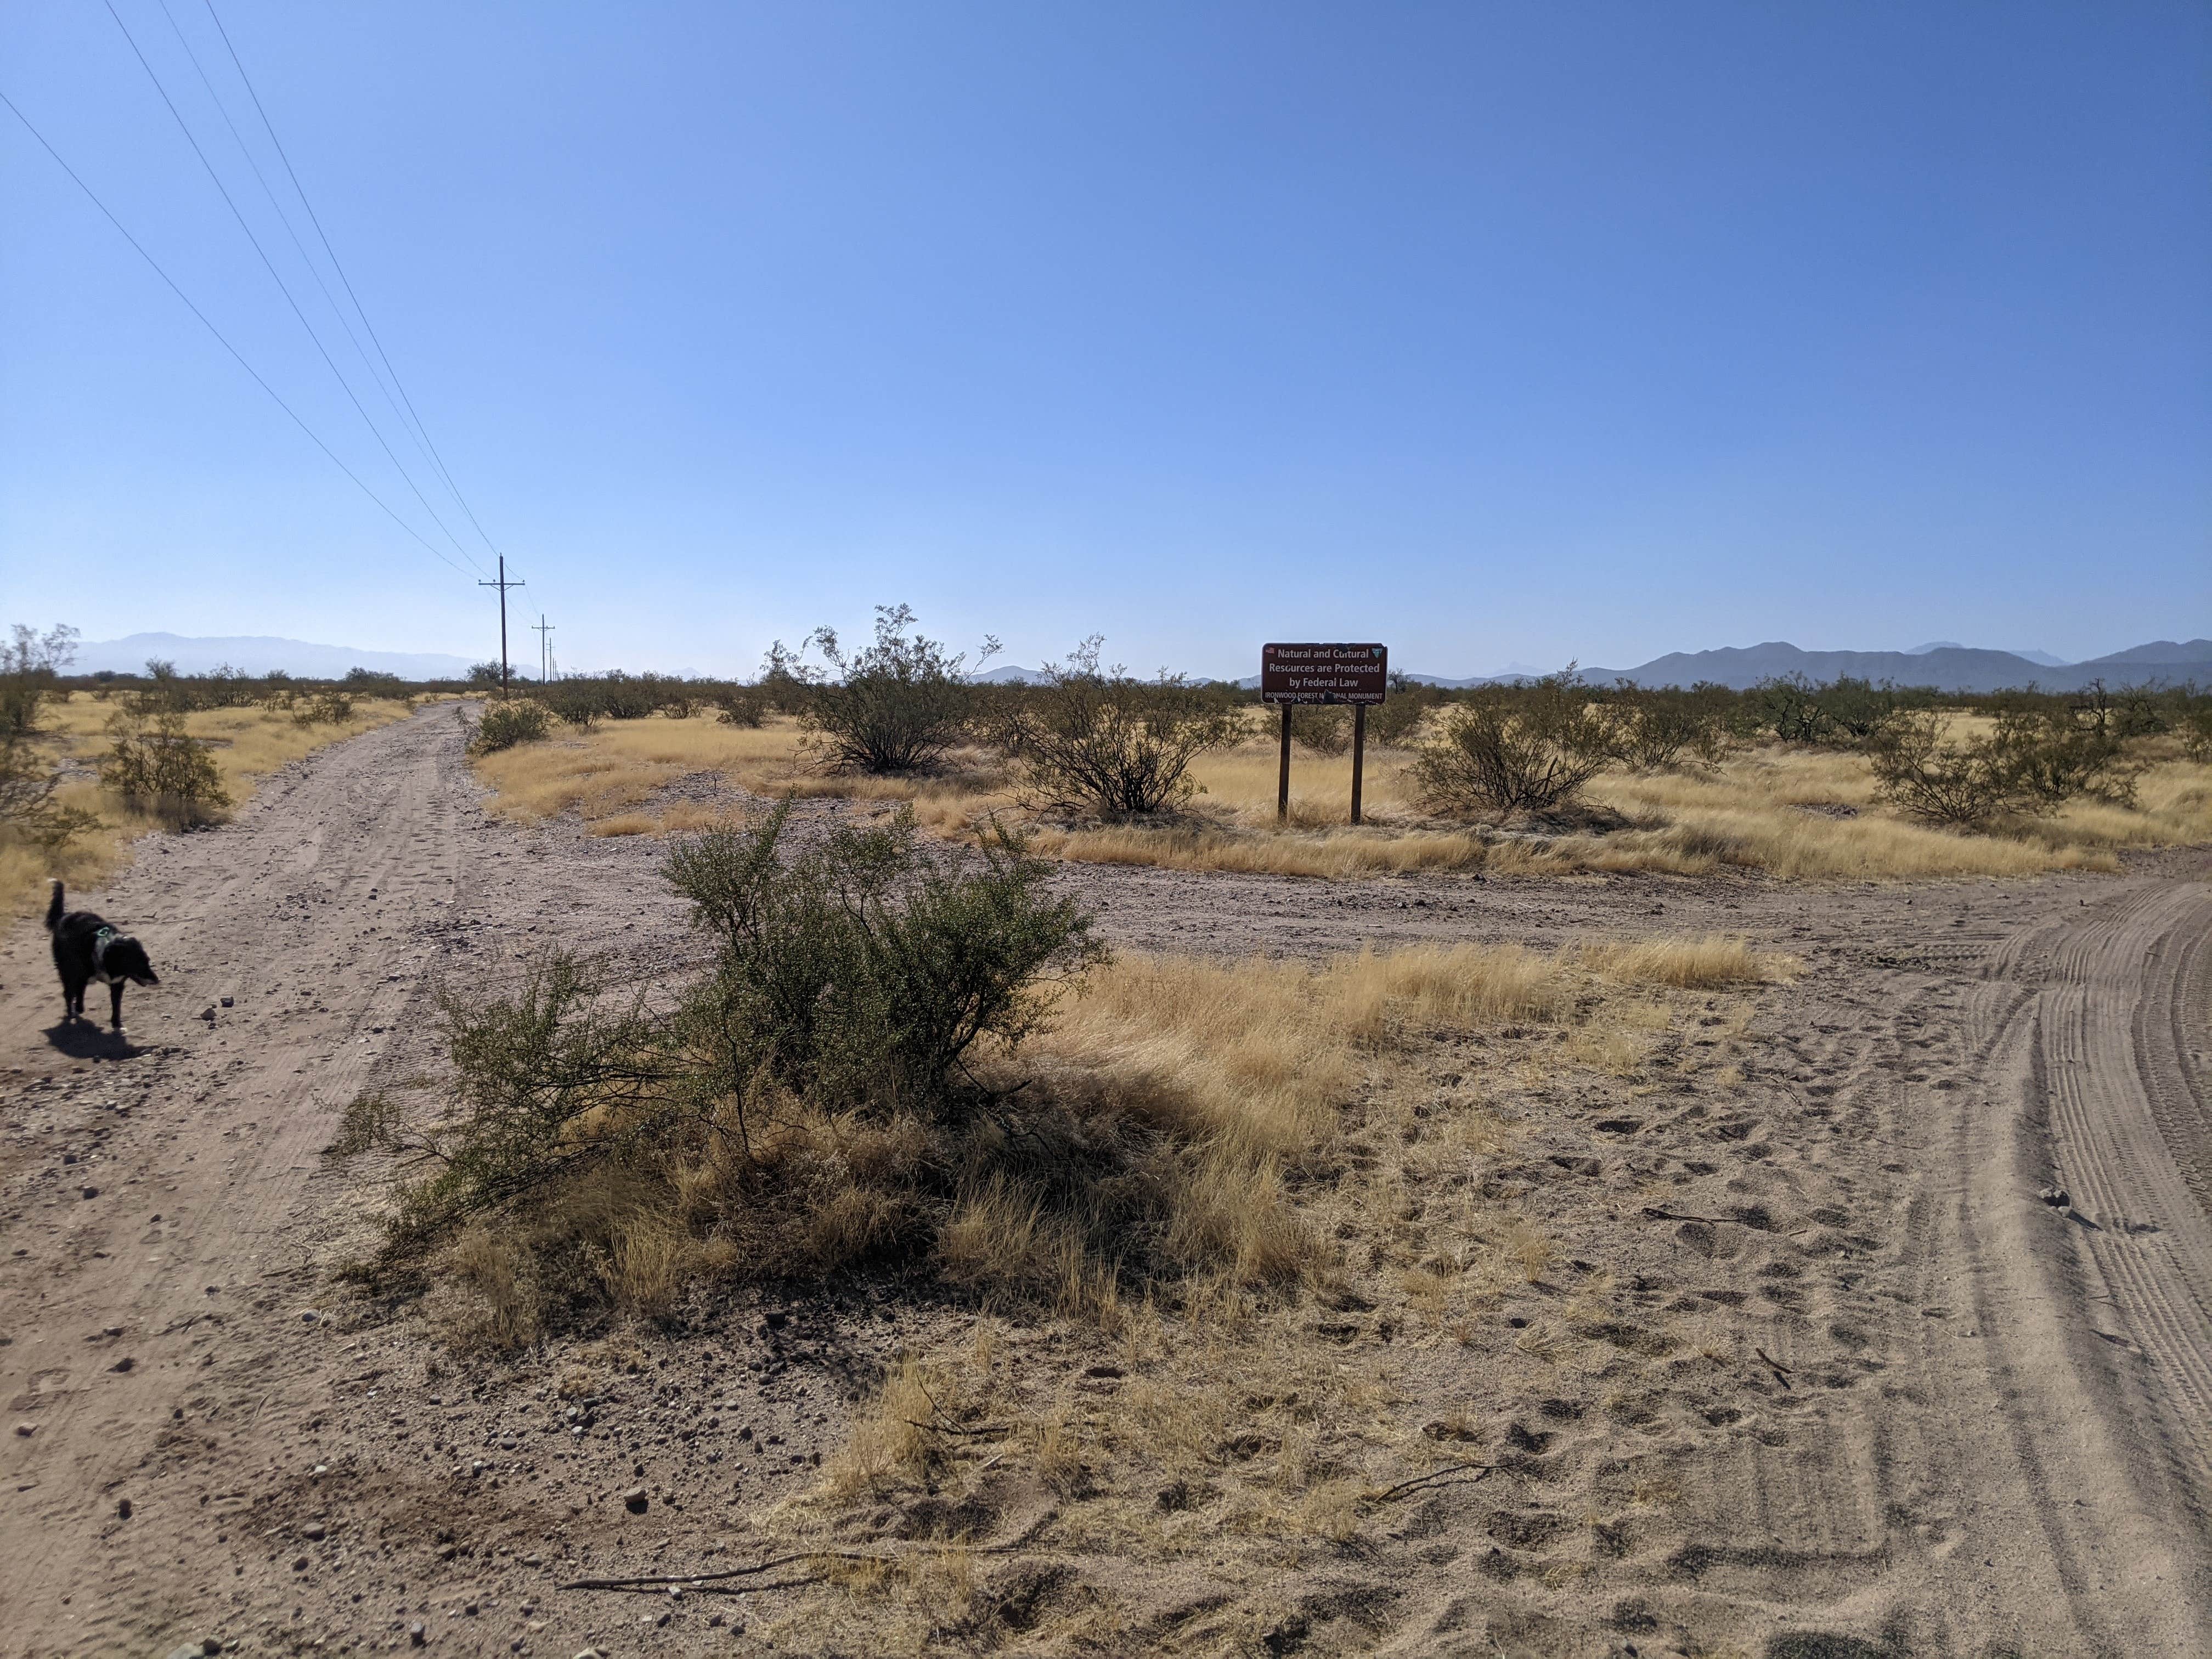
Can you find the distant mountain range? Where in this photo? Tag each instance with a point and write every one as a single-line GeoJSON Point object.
{"type": "Point", "coordinates": [259, 654]}
{"type": "Point", "coordinates": [1945, 667]}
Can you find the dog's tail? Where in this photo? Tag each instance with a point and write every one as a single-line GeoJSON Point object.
{"type": "Point", "coordinates": [54, 905]}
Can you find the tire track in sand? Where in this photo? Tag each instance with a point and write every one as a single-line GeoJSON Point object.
{"type": "Point", "coordinates": [2098, 1316]}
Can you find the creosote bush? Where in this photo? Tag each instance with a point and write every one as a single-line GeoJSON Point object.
{"type": "Point", "coordinates": [507, 724]}
{"type": "Point", "coordinates": [2033, 761]}
{"type": "Point", "coordinates": [1526, 751]}
{"type": "Point", "coordinates": [818, 1099]}
{"type": "Point", "coordinates": [741, 705]}
{"type": "Point", "coordinates": [1393, 722]}
{"type": "Point", "coordinates": [1099, 739]}
{"type": "Point", "coordinates": [895, 706]}
{"type": "Point", "coordinates": [158, 766]}
{"type": "Point", "coordinates": [30, 772]}
{"type": "Point", "coordinates": [1844, 713]}
{"type": "Point", "coordinates": [861, 971]}
{"type": "Point", "coordinates": [1656, 731]}
{"type": "Point", "coordinates": [329, 707]}
{"type": "Point", "coordinates": [1325, 730]}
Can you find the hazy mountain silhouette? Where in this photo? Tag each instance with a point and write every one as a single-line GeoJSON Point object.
{"type": "Point", "coordinates": [1945, 667]}
{"type": "Point", "coordinates": [260, 654]}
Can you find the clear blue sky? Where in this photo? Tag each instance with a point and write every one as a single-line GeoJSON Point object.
{"type": "Point", "coordinates": [1501, 332]}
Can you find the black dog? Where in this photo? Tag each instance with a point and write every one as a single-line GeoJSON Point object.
{"type": "Point", "coordinates": [87, 949]}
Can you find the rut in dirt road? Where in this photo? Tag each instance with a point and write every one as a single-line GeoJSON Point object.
{"type": "Point", "coordinates": [151, 1281]}
{"type": "Point", "coordinates": [2099, 1306]}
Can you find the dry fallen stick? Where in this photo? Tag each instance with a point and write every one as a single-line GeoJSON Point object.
{"type": "Point", "coordinates": [702, 1581]}
{"type": "Point", "coordinates": [1781, 1371]}
{"type": "Point", "coordinates": [1434, 1477]}
{"type": "Point", "coordinates": [642, 1581]}
{"type": "Point", "coordinates": [946, 1428]}
{"type": "Point", "coordinates": [690, 1589]}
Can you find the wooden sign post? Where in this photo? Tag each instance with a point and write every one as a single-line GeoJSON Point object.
{"type": "Point", "coordinates": [1293, 675]}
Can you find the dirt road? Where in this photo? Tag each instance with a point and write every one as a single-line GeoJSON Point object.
{"type": "Point", "coordinates": [2029, 1470]}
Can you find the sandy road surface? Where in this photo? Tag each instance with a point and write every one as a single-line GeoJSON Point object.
{"type": "Point", "coordinates": [158, 1184]}
{"type": "Point", "coordinates": [2027, 1472]}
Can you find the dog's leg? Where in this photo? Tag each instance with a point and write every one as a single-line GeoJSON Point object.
{"type": "Point", "coordinates": [72, 1000]}
{"type": "Point", "coordinates": [115, 1006]}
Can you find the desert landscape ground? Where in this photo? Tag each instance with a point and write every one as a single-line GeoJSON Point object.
{"type": "Point", "coordinates": [1644, 1260]}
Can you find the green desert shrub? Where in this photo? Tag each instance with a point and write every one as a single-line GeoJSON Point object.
{"type": "Point", "coordinates": [1091, 739]}
{"type": "Point", "coordinates": [504, 724]}
{"type": "Point", "coordinates": [1654, 730]}
{"type": "Point", "coordinates": [811, 1094]}
{"type": "Point", "coordinates": [159, 767]}
{"type": "Point", "coordinates": [2033, 761]}
{"type": "Point", "coordinates": [30, 770]}
{"type": "Point", "coordinates": [331, 706]}
{"type": "Point", "coordinates": [1325, 729]}
{"type": "Point", "coordinates": [1531, 749]}
{"type": "Point", "coordinates": [1395, 721]}
{"type": "Point", "coordinates": [896, 705]}
{"type": "Point", "coordinates": [741, 705]}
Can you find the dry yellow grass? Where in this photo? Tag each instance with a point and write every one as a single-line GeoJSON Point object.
{"type": "Point", "coordinates": [249, 743]}
{"type": "Point", "coordinates": [1688, 963]}
{"type": "Point", "coordinates": [608, 776]}
{"type": "Point", "coordinates": [1796, 814]}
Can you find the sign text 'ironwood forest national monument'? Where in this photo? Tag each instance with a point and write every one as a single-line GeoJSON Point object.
{"type": "Point", "coordinates": [1291, 675]}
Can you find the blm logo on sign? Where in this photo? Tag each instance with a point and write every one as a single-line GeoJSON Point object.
{"type": "Point", "coordinates": [1301, 674]}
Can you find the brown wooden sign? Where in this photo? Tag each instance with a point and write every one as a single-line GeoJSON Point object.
{"type": "Point", "coordinates": [1355, 674]}
{"type": "Point", "coordinates": [1294, 676]}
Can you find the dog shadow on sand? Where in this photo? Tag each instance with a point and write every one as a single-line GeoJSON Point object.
{"type": "Point", "coordinates": [81, 1039]}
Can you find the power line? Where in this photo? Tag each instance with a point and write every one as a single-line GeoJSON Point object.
{"type": "Point", "coordinates": [545, 631]}
{"type": "Point", "coordinates": [285, 219]}
{"type": "Point", "coordinates": [136, 246]}
{"type": "Point", "coordinates": [185, 127]}
{"type": "Point", "coordinates": [438, 460]}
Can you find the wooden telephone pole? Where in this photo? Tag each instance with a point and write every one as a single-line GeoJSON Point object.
{"type": "Point", "coordinates": [502, 584]}
{"type": "Point", "coordinates": [541, 628]}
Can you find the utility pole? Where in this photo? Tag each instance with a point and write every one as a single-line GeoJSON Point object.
{"type": "Point", "coordinates": [541, 628]}
{"type": "Point", "coordinates": [502, 584]}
